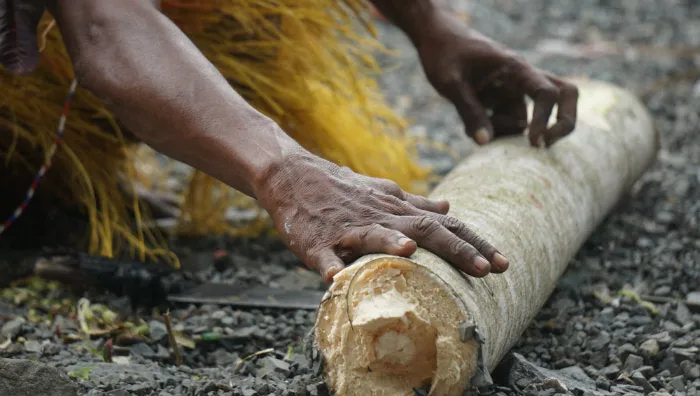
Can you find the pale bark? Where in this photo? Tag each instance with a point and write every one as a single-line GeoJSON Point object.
{"type": "Point", "coordinates": [537, 206]}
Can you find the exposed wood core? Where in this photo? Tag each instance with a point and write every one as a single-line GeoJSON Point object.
{"type": "Point", "coordinates": [389, 324]}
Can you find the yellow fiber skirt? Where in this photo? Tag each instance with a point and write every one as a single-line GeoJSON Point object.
{"type": "Point", "coordinates": [307, 64]}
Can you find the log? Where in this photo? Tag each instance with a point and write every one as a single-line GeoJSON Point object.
{"type": "Point", "coordinates": [389, 324]}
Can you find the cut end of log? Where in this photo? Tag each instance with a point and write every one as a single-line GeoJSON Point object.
{"type": "Point", "coordinates": [375, 327]}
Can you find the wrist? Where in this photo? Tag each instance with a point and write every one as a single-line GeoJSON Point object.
{"type": "Point", "coordinates": [272, 170]}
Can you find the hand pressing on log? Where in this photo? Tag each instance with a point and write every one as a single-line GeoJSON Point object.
{"type": "Point", "coordinates": [477, 75]}
{"type": "Point", "coordinates": [165, 91]}
{"type": "Point", "coordinates": [329, 216]}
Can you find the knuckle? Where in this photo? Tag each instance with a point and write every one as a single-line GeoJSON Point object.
{"type": "Point", "coordinates": [391, 187]}
{"type": "Point", "coordinates": [483, 246]}
{"type": "Point", "coordinates": [368, 231]}
{"type": "Point", "coordinates": [548, 92]}
{"type": "Point", "coordinates": [452, 224]}
{"type": "Point", "coordinates": [458, 246]}
{"type": "Point", "coordinates": [446, 79]}
{"type": "Point", "coordinates": [570, 90]}
{"type": "Point", "coordinates": [425, 225]}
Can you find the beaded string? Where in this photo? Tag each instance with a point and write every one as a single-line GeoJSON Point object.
{"type": "Point", "coordinates": [56, 141]}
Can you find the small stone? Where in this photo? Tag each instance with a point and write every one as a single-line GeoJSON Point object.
{"type": "Point", "coordinates": [142, 349]}
{"type": "Point", "coordinates": [118, 392]}
{"type": "Point", "coordinates": [602, 383]}
{"type": "Point", "coordinates": [690, 370]}
{"type": "Point", "coordinates": [601, 341]}
{"type": "Point", "coordinates": [632, 363]}
{"type": "Point", "coordinates": [50, 349]}
{"type": "Point", "coordinates": [664, 338]}
{"type": "Point", "coordinates": [663, 291]}
{"type": "Point", "coordinates": [13, 328]}
{"type": "Point", "coordinates": [224, 358]}
{"type": "Point", "coordinates": [610, 371]}
{"type": "Point", "coordinates": [693, 298]}
{"type": "Point", "coordinates": [639, 320]}
{"type": "Point", "coordinates": [676, 383]}
{"type": "Point", "coordinates": [270, 366]}
{"type": "Point", "coordinates": [682, 314]}
{"type": "Point", "coordinates": [671, 327]}
{"type": "Point", "coordinates": [656, 383]}
{"type": "Point", "coordinates": [649, 348]}
{"type": "Point", "coordinates": [669, 364]}
{"type": "Point", "coordinates": [639, 379]}
{"type": "Point", "coordinates": [32, 346]}
{"type": "Point", "coordinates": [681, 354]}
{"type": "Point", "coordinates": [157, 330]}
{"type": "Point", "coordinates": [218, 315]}
{"type": "Point", "coordinates": [625, 350]}
{"type": "Point", "coordinates": [664, 374]}
{"type": "Point", "coordinates": [647, 371]}
{"type": "Point", "coordinates": [25, 377]}
{"type": "Point", "coordinates": [228, 321]}
{"type": "Point", "coordinates": [162, 353]}
{"type": "Point", "coordinates": [243, 333]}
{"type": "Point", "coordinates": [140, 389]}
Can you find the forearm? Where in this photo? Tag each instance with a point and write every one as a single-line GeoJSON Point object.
{"type": "Point", "coordinates": [407, 14]}
{"type": "Point", "coordinates": [166, 92]}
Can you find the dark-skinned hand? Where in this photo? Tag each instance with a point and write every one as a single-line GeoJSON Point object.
{"type": "Point", "coordinates": [329, 216]}
{"type": "Point", "coordinates": [478, 75]}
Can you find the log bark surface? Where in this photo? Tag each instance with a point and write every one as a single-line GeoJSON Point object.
{"type": "Point", "coordinates": [388, 324]}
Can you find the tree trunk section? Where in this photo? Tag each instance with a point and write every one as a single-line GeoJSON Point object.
{"type": "Point", "coordinates": [388, 324]}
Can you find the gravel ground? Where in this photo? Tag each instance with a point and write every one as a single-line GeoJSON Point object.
{"type": "Point", "coordinates": [625, 318]}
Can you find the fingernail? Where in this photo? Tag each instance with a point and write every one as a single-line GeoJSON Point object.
{"type": "Point", "coordinates": [332, 272]}
{"type": "Point", "coordinates": [482, 265]}
{"type": "Point", "coordinates": [403, 241]}
{"type": "Point", "coordinates": [482, 136]}
{"type": "Point", "coordinates": [500, 261]}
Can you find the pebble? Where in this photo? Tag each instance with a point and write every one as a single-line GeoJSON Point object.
{"type": "Point", "coordinates": [158, 331]}
{"type": "Point", "coordinates": [676, 383]}
{"type": "Point", "coordinates": [610, 371]}
{"type": "Point", "coordinates": [682, 314]}
{"type": "Point", "coordinates": [633, 362]}
{"type": "Point", "coordinates": [649, 348]}
{"type": "Point", "coordinates": [12, 328]}
{"type": "Point", "coordinates": [32, 346]}
{"type": "Point", "coordinates": [639, 379]}
{"type": "Point", "coordinates": [694, 298]}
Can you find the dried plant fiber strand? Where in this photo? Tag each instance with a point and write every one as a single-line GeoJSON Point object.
{"type": "Point", "coordinates": [307, 64]}
{"type": "Point", "coordinates": [389, 324]}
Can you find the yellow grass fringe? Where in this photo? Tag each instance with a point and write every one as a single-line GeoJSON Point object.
{"type": "Point", "coordinates": [305, 63]}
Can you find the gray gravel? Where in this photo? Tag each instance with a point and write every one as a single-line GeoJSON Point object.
{"type": "Point", "coordinates": [624, 318]}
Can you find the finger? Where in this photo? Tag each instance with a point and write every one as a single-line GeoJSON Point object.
{"type": "Point", "coordinates": [566, 111]}
{"type": "Point", "coordinates": [374, 239]}
{"type": "Point", "coordinates": [471, 111]}
{"type": "Point", "coordinates": [435, 206]}
{"type": "Point", "coordinates": [499, 263]}
{"type": "Point", "coordinates": [326, 262]}
{"type": "Point", "coordinates": [544, 94]}
{"type": "Point", "coordinates": [424, 203]}
{"type": "Point", "coordinates": [510, 118]}
{"type": "Point", "coordinates": [431, 235]}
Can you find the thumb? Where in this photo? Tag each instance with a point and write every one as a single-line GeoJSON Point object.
{"type": "Point", "coordinates": [473, 114]}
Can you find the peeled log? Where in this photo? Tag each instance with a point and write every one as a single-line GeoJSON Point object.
{"type": "Point", "coordinates": [388, 324]}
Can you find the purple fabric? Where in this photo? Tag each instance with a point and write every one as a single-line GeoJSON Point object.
{"type": "Point", "coordinates": [19, 48]}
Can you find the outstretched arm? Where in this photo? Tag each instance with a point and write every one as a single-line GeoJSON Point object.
{"type": "Point", "coordinates": [167, 93]}
{"type": "Point", "coordinates": [477, 74]}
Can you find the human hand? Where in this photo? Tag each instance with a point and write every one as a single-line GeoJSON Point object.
{"type": "Point", "coordinates": [477, 74]}
{"type": "Point", "coordinates": [329, 216]}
